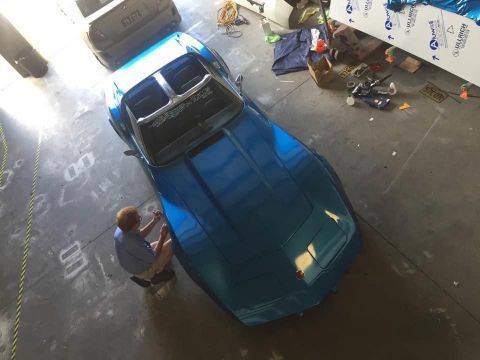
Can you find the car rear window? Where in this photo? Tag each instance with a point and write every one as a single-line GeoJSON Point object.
{"type": "Point", "coordinates": [146, 98]}
{"type": "Point", "coordinates": [184, 73]}
{"type": "Point", "coordinates": [88, 7]}
{"type": "Point", "coordinates": [169, 135]}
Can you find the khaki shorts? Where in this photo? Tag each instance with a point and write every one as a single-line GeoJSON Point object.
{"type": "Point", "coordinates": [162, 258]}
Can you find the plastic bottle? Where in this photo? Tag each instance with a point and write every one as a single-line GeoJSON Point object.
{"type": "Point", "coordinates": [350, 100]}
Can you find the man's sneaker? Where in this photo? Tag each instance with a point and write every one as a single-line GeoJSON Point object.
{"type": "Point", "coordinates": [165, 275]}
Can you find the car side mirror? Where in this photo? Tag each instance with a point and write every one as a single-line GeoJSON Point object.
{"type": "Point", "coordinates": [131, 152]}
{"type": "Point", "coordinates": [239, 81]}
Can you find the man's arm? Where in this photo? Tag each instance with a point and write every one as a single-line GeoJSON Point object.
{"type": "Point", "coordinates": [163, 236]}
{"type": "Point", "coordinates": [157, 215]}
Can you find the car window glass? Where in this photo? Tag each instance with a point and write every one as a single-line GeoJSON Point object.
{"type": "Point", "coordinates": [88, 7]}
{"type": "Point", "coordinates": [169, 134]}
{"type": "Point", "coordinates": [184, 73]}
{"type": "Point", "coordinates": [146, 98]}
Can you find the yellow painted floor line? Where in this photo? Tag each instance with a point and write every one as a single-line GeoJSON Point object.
{"type": "Point", "coordinates": [5, 153]}
{"type": "Point", "coordinates": [26, 249]}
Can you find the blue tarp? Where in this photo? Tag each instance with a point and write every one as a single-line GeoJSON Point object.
{"type": "Point", "coordinates": [467, 8]}
{"type": "Point", "coordinates": [292, 52]}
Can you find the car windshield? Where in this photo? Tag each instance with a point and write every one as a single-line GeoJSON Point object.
{"type": "Point", "coordinates": [88, 7]}
{"type": "Point", "coordinates": [168, 135]}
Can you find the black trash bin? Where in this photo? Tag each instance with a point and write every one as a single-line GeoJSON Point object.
{"type": "Point", "coordinates": [32, 62]}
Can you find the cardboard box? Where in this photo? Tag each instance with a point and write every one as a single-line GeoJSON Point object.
{"type": "Point", "coordinates": [322, 71]}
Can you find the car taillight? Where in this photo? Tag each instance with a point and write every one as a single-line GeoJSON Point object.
{"type": "Point", "coordinates": [96, 36]}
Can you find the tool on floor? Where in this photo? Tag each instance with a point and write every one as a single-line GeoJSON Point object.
{"type": "Point", "coordinates": [390, 90]}
{"type": "Point", "coordinates": [366, 91]}
{"type": "Point", "coordinates": [360, 70]}
{"type": "Point", "coordinates": [351, 85]}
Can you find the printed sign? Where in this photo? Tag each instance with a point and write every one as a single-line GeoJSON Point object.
{"type": "Point", "coordinates": [201, 95]}
{"type": "Point", "coordinates": [445, 39]}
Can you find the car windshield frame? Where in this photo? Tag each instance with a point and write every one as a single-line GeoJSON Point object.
{"type": "Point", "coordinates": [221, 118]}
{"type": "Point", "coordinates": [88, 7]}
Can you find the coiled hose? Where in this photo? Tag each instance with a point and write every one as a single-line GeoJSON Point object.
{"type": "Point", "coordinates": [227, 17]}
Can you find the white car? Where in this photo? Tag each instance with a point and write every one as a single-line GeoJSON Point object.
{"type": "Point", "coordinates": [116, 30]}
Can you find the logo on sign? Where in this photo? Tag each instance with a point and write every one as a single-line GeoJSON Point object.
{"type": "Point", "coordinates": [434, 41]}
{"type": "Point", "coordinates": [461, 40]}
{"type": "Point", "coordinates": [367, 7]}
{"type": "Point", "coordinates": [349, 8]}
{"type": "Point", "coordinates": [411, 19]}
{"type": "Point", "coordinates": [388, 22]}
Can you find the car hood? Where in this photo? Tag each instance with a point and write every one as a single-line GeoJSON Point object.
{"type": "Point", "coordinates": [239, 191]}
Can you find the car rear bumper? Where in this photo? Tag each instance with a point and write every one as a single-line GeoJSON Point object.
{"type": "Point", "coordinates": [120, 51]}
{"type": "Point", "coordinates": [313, 293]}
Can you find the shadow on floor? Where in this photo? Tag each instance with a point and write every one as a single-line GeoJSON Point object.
{"type": "Point", "coordinates": [382, 310]}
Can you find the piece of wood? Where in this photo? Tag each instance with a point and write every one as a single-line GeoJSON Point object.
{"type": "Point", "coordinates": [410, 64]}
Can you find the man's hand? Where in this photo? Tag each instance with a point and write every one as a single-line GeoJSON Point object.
{"type": "Point", "coordinates": [157, 215]}
{"type": "Point", "coordinates": [164, 231]}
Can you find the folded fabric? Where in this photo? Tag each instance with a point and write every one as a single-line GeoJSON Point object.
{"type": "Point", "coordinates": [292, 52]}
{"type": "Point", "coordinates": [467, 8]}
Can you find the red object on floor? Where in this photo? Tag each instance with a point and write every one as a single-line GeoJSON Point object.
{"type": "Point", "coordinates": [320, 46]}
{"type": "Point", "coordinates": [376, 68]}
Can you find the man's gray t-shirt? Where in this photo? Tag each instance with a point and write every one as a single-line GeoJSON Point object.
{"type": "Point", "coordinates": [134, 253]}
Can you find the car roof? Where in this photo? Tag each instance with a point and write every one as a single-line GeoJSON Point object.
{"type": "Point", "coordinates": [151, 60]}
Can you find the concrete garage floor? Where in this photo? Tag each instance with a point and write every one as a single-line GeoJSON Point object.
{"type": "Point", "coordinates": [418, 211]}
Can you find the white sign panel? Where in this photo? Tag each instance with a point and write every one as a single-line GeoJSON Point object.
{"type": "Point", "coordinates": [445, 39]}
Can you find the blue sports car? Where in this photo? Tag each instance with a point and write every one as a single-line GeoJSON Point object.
{"type": "Point", "coordinates": [258, 220]}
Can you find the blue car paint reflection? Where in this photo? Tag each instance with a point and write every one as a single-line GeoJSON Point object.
{"type": "Point", "coordinates": [258, 220]}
